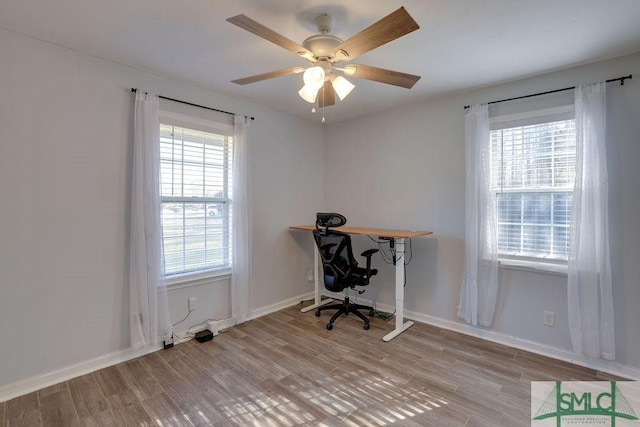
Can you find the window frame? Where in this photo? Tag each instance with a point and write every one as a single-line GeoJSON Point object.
{"type": "Point", "coordinates": [195, 278]}
{"type": "Point", "coordinates": [537, 116]}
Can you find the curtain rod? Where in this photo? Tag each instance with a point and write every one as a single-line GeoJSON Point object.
{"type": "Point", "coordinates": [619, 79]}
{"type": "Point", "coordinates": [195, 105]}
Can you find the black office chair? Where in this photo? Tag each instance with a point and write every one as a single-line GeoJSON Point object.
{"type": "Point", "coordinates": [340, 268]}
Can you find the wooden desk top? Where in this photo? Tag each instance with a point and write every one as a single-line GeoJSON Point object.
{"type": "Point", "coordinates": [368, 231]}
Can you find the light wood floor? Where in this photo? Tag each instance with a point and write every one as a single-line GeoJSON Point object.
{"type": "Point", "coordinates": [286, 369]}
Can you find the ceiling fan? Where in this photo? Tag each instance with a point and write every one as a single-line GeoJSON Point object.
{"type": "Point", "coordinates": [326, 51]}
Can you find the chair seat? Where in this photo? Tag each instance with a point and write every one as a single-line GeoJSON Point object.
{"type": "Point", "coordinates": [363, 271]}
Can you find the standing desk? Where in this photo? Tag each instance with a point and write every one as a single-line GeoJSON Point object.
{"type": "Point", "coordinates": [396, 239]}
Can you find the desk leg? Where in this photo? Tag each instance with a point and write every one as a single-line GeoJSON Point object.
{"type": "Point", "coordinates": [401, 325]}
{"type": "Point", "coordinates": [316, 282]}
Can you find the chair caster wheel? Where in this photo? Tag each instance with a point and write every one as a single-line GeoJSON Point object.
{"type": "Point", "coordinates": [366, 326]}
{"type": "Point", "coordinates": [329, 326]}
{"type": "Point", "coordinates": [317, 313]}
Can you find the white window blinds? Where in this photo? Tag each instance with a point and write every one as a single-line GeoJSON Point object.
{"type": "Point", "coordinates": [195, 191]}
{"type": "Point", "coordinates": [532, 177]}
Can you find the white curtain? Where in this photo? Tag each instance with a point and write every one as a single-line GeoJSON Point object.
{"type": "Point", "coordinates": [590, 298]}
{"type": "Point", "coordinates": [149, 314]}
{"type": "Point", "coordinates": [241, 253]}
{"type": "Point", "coordinates": [480, 277]}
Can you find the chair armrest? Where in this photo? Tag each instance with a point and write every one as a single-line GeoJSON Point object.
{"type": "Point", "coordinates": [368, 254]}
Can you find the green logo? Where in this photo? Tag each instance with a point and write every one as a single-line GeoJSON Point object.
{"type": "Point", "coordinates": [590, 403]}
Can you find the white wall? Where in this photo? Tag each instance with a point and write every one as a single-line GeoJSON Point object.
{"type": "Point", "coordinates": [405, 169]}
{"type": "Point", "coordinates": [65, 160]}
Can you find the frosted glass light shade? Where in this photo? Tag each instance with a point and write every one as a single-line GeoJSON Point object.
{"type": "Point", "coordinates": [314, 77]}
{"type": "Point", "coordinates": [342, 86]}
{"type": "Point", "coordinates": [308, 93]}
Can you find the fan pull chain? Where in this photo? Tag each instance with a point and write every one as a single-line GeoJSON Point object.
{"type": "Point", "coordinates": [324, 102]}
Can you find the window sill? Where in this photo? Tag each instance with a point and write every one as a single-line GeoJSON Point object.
{"type": "Point", "coordinates": [197, 279]}
{"type": "Point", "coordinates": [534, 266]}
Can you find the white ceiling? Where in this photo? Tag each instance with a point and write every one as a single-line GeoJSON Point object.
{"type": "Point", "coordinates": [461, 43]}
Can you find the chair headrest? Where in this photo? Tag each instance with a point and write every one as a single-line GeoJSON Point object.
{"type": "Point", "coordinates": [328, 220]}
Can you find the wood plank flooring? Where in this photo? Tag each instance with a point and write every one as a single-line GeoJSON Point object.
{"type": "Point", "coordinates": [286, 369]}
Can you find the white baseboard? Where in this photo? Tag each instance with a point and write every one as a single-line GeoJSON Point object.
{"type": "Point", "coordinates": [263, 311]}
{"type": "Point", "coordinates": [217, 325]}
{"type": "Point", "coordinates": [20, 388]}
{"type": "Point", "coordinates": [29, 385]}
{"type": "Point", "coordinates": [610, 367]}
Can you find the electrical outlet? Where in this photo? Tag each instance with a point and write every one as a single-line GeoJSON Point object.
{"type": "Point", "coordinates": [191, 303]}
{"type": "Point", "coordinates": [549, 318]}
{"type": "Point", "coordinates": [310, 275]}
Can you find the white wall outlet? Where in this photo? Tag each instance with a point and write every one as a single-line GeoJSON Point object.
{"type": "Point", "coordinates": [549, 318]}
{"type": "Point", "coordinates": [310, 275]}
{"type": "Point", "coordinates": [191, 303]}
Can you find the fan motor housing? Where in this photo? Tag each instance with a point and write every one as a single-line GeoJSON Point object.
{"type": "Point", "coordinates": [322, 45]}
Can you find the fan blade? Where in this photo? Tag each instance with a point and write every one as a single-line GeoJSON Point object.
{"type": "Point", "coordinates": [269, 75]}
{"type": "Point", "coordinates": [391, 27]}
{"type": "Point", "coordinates": [260, 30]}
{"type": "Point", "coordinates": [326, 96]}
{"type": "Point", "coordinates": [381, 75]}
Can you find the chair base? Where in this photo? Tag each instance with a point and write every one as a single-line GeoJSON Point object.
{"type": "Point", "coordinates": [345, 308]}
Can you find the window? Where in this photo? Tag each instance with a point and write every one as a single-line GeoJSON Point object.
{"type": "Point", "coordinates": [532, 178]}
{"type": "Point", "coordinates": [195, 192]}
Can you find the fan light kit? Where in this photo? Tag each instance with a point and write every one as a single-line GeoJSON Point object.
{"type": "Point", "coordinates": [324, 51]}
